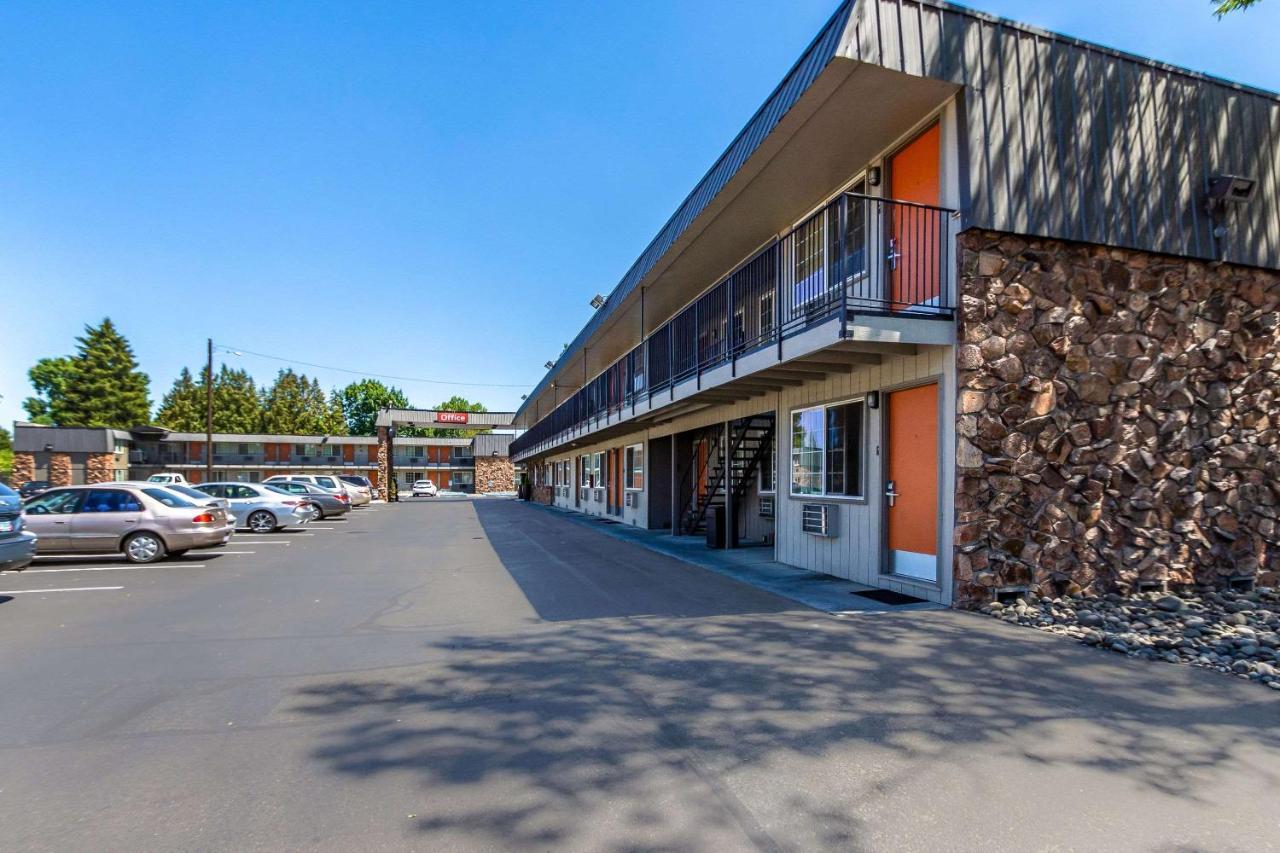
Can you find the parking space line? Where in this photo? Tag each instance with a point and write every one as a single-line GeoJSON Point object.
{"type": "Point", "coordinates": [107, 568]}
{"type": "Point", "coordinates": [273, 541]}
{"type": "Point", "coordinates": [224, 553]}
{"type": "Point", "coordinates": [63, 589]}
{"type": "Point", "coordinates": [321, 528]}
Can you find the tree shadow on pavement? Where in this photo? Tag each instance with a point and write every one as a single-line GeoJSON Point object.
{"type": "Point", "coordinates": [786, 730]}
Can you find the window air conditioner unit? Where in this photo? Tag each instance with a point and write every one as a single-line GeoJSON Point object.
{"type": "Point", "coordinates": [818, 520]}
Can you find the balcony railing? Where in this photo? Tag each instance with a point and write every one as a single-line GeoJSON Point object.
{"type": "Point", "coordinates": [858, 255]}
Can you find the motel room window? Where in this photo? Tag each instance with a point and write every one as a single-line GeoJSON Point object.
{"type": "Point", "coordinates": [597, 470]}
{"type": "Point", "coordinates": [635, 467]}
{"type": "Point", "coordinates": [587, 482]}
{"type": "Point", "coordinates": [827, 449]}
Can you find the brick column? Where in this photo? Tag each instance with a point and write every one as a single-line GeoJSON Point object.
{"type": "Point", "coordinates": [100, 468]}
{"type": "Point", "coordinates": [24, 468]}
{"type": "Point", "coordinates": [59, 469]}
{"type": "Point", "coordinates": [384, 464]}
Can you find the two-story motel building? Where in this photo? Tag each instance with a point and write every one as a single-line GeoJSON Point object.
{"type": "Point", "coordinates": [967, 307]}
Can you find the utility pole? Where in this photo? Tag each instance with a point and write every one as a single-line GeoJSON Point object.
{"type": "Point", "coordinates": [208, 416]}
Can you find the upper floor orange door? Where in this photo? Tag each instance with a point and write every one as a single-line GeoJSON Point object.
{"type": "Point", "coordinates": [915, 176]}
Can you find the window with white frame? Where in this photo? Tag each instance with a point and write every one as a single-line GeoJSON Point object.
{"type": "Point", "coordinates": [585, 461]}
{"type": "Point", "coordinates": [827, 449]}
{"type": "Point", "coordinates": [597, 470]}
{"type": "Point", "coordinates": [769, 469]}
{"type": "Point", "coordinates": [635, 467]}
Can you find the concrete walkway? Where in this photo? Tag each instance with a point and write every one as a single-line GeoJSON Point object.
{"type": "Point", "coordinates": [750, 565]}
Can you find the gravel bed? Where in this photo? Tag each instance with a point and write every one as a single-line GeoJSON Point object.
{"type": "Point", "coordinates": [1232, 632]}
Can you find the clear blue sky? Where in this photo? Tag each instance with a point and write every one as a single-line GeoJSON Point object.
{"type": "Point", "coordinates": [422, 189]}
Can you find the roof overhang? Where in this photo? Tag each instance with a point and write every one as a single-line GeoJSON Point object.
{"type": "Point", "coordinates": [866, 107]}
{"type": "Point", "coordinates": [453, 420]}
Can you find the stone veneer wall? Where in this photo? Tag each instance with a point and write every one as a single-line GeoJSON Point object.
{"type": "Point", "coordinates": [100, 468]}
{"type": "Point", "coordinates": [24, 468]}
{"type": "Point", "coordinates": [1118, 419]}
{"type": "Point", "coordinates": [59, 469]}
{"type": "Point", "coordinates": [497, 469]}
{"type": "Point", "coordinates": [384, 465]}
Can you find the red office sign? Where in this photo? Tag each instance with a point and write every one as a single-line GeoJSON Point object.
{"type": "Point", "coordinates": [451, 417]}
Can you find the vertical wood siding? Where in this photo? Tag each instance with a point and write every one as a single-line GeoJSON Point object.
{"type": "Point", "coordinates": [1071, 140]}
{"type": "Point", "coordinates": [855, 551]}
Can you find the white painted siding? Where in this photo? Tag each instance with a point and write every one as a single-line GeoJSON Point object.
{"type": "Point", "coordinates": [855, 552]}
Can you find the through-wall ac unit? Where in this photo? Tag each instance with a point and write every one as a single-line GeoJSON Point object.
{"type": "Point", "coordinates": [632, 499]}
{"type": "Point", "coordinates": [818, 520]}
{"type": "Point", "coordinates": [766, 506]}
{"type": "Point", "coordinates": [584, 494]}
{"type": "Point", "coordinates": [599, 494]}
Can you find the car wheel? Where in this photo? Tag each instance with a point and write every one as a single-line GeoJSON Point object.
{"type": "Point", "coordinates": [262, 521]}
{"type": "Point", "coordinates": [143, 547]}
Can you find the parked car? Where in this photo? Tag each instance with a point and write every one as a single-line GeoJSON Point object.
{"type": "Point", "coordinates": [331, 482]}
{"type": "Point", "coordinates": [32, 488]}
{"type": "Point", "coordinates": [17, 546]}
{"type": "Point", "coordinates": [167, 478]}
{"type": "Point", "coordinates": [259, 508]}
{"type": "Point", "coordinates": [143, 522]}
{"type": "Point", "coordinates": [359, 482]}
{"type": "Point", "coordinates": [425, 489]}
{"type": "Point", "coordinates": [329, 503]}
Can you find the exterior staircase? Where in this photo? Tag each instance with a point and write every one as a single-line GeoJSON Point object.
{"type": "Point", "coordinates": [750, 441]}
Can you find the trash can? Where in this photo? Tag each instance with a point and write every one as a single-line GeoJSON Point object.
{"type": "Point", "coordinates": [715, 526]}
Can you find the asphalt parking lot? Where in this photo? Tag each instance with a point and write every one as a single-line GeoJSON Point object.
{"type": "Point", "coordinates": [485, 675]}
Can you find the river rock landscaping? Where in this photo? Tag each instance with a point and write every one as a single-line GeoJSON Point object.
{"type": "Point", "coordinates": [1232, 632]}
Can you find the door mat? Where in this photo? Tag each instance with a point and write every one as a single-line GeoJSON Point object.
{"type": "Point", "coordinates": [888, 596]}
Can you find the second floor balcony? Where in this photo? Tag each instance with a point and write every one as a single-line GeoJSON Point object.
{"type": "Point", "coordinates": [862, 268]}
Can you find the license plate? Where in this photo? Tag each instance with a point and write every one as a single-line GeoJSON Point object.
{"type": "Point", "coordinates": [6, 525]}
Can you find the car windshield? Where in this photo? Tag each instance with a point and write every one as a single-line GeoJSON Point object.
{"type": "Point", "coordinates": [277, 489]}
{"type": "Point", "coordinates": [7, 492]}
{"type": "Point", "coordinates": [355, 481]}
{"type": "Point", "coordinates": [168, 498]}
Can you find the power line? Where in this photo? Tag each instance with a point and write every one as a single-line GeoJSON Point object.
{"type": "Point", "coordinates": [243, 351]}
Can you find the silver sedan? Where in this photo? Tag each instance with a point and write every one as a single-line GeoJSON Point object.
{"type": "Point", "coordinates": [259, 508]}
{"type": "Point", "coordinates": [142, 522]}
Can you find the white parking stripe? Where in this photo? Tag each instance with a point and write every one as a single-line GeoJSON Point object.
{"type": "Point", "coordinates": [106, 568]}
{"type": "Point", "coordinates": [216, 553]}
{"type": "Point", "coordinates": [321, 528]}
{"type": "Point", "coordinates": [272, 542]}
{"type": "Point", "coordinates": [64, 589]}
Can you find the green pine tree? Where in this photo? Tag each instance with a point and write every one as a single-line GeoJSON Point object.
{"type": "Point", "coordinates": [236, 404]}
{"type": "Point", "coordinates": [182, 408]}
{"type": "Point", "coordinates": [105, 387]}
{"type": "Point", "coordinates": [334, 422]}
{"type": "Point", "coordinates": [284, 405]}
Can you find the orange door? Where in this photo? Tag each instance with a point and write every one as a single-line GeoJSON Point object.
{"type": "Point", "coordinates": [913, 253]}
{"type": "Point", "coordinates": [911, 493]}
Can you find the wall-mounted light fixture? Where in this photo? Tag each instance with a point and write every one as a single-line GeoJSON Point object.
{"type": "Point", "coordinates": [597, 301]}
{"type": "Point", "coordinates": [873, 176]}
{"type": "Point", "coordinates": [873, 399]}
{"type": "Point", "coordinates": [1221, 192]}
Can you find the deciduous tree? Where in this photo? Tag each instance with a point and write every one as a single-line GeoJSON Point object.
{"type": "Point", "coordinates": [361, 401]}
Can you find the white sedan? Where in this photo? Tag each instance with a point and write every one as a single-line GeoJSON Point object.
{"type": "Point", "coordinates": [425, 489]}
